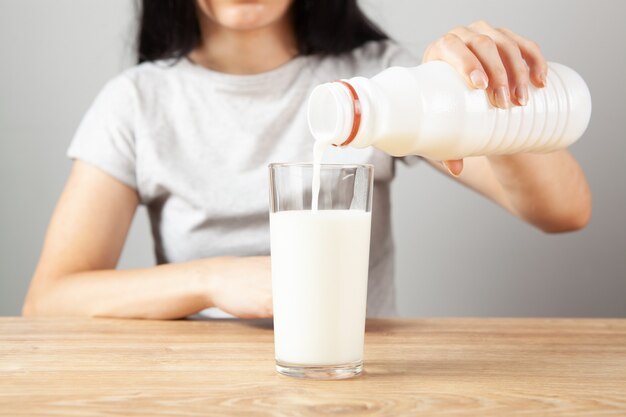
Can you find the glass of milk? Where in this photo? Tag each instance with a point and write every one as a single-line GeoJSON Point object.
{"type": "Point", "coordinates": [320, 257]}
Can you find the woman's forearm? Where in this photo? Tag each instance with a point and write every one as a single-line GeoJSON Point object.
{"type": "Point", "coordinates": [76, 276]}
{"type": "Point", "coordinates": [547, 190]}
{"type": "Point", "coordinates": [162, 292]}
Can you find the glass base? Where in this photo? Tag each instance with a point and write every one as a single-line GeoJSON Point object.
{"type": "Point", "coordinates": [349, 370]}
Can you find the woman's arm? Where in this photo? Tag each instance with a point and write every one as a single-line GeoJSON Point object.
{"type": "Point", "coordinates": [547, 190]}
{"type": "Point", "coordinates": [76, 276]}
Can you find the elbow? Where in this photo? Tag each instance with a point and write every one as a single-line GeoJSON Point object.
{"type": "Point", "coordinates": [30, 308]}
{"type": "Point", "coordinates": [36, 303]}
{"type": "Point", "coordinates": [569, 224]}
{"type": "Point", "coordinates": [574, 219]}
{"type": "Point", "coordinates": [50, 299]}
{"type": "Point", "coordinates": [32, 305]}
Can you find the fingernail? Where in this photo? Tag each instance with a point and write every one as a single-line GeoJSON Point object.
{"type": "Point", "coordinates": [446, 166]}
{"type": "Point", "coordinates": [521, 93]}
{"type": "Point", "coordinates": [543, 77]}
{"type": "Point", "coordinates": [503, 98]}
{"type": "Point", "coordinates": [479, 79]}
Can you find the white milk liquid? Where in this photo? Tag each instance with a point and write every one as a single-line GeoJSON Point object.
{"type": "Point", "coordinates": [318, 152]}
{"type": "Point", "coordinates": [319, 278]}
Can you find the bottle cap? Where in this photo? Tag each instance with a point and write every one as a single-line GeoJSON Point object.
{"type": "Point", "coordinates": [334, 113]}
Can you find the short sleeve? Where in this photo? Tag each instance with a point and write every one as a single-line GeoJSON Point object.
{"type": "Point", "coordinates": [105, 136]}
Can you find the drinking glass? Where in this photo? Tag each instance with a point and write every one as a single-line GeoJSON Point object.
{"type": "Point", "coordinates": [320, 261]}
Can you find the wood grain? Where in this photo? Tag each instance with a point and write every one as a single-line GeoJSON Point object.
{"type": "Point", "coordinates": [451, 367]}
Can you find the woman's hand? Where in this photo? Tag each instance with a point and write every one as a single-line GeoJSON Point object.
{"type": "Point", "coordinates": [497, 60]}
{"type": "Point", "coordinates": [242, 286]}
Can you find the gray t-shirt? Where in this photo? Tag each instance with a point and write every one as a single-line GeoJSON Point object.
{"type": "Point", "coordinates": [196, 144]}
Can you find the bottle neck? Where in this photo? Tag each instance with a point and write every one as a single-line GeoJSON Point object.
{"type": "Point", "coordinates": [335, 113]}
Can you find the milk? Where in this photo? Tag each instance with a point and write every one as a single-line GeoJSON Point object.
{"type": "Point", "coordinates": [319, 279]}
{"type": "Point", "coordinates": [318, 152]}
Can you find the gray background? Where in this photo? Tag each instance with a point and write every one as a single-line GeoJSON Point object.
{"type": "Point", "coordinates": [458, 254]}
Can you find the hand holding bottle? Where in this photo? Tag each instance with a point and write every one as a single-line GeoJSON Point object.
{"type": "Point", "coordinates": [498, 60]}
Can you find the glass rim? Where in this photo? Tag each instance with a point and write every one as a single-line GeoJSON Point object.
{"type": "Point", "coordinates": [310, 164]}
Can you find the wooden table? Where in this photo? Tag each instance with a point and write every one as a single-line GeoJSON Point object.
{"type": "Point", "coordinates": [451, 367]}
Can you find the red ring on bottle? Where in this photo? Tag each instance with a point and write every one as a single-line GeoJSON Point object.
{"type": "Point", "coordinates": [356, 107]}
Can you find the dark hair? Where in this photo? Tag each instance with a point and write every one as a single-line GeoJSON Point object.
{"type": "Point", "coordinates": [170, 28]}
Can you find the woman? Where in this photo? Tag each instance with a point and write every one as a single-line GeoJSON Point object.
{"type": "Point", "coordinates": [220, 93]}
